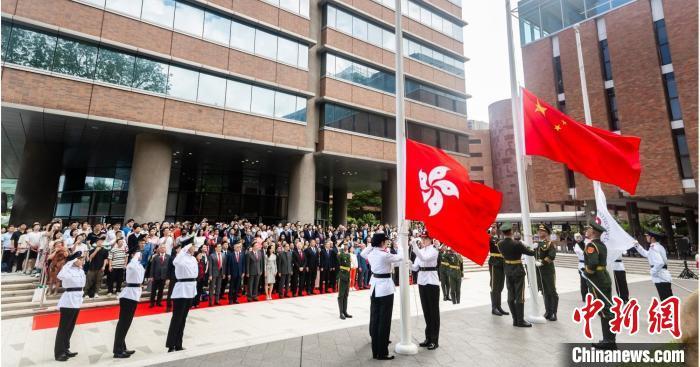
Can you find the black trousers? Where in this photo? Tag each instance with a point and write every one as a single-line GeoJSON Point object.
{"type": "Point", "coordinates": [516, 288]}
{"type": "Point", "coordinates": [66, 324]}
{"type": "Point", "coordinates": [171, 286]}
{"type": "Point", "coordinates": [127, 308]}
{"type": "Point", "coordinates": [621, 285]}
{"type": "Point", "coordinates": [380, 324]}
{"type": "Point", "coordinates": [8, 258]}
{"type": "Point", "coordinates": [181, 307]}
{"type": "Point", "coordinates": [283, 285]}
{"type": "Point", "coordinates": [325, 280]}
{"type": "Point", "coordinates": [157, 287]}
{"type": "Point", "coordinates": [310, 280]}
{"type": "Point", "coordinates": [584, 288]}
{"type": "Point", "coordinates": [498, 279]}
{"type": "Point", "coordinates": [253, 286]}
{"type": "Point", "coordinates": [234, 287]}
{"type": "Point", "coordinates": [297, 282]}
{"type": "Point", "coordinates": [430, 302]}
{"type": "Point", "coordinates": [664, 290]}
{"type": "Point", "coordinates": [115, 277]}
{"type": "Point", "coordinates": [224, 284]}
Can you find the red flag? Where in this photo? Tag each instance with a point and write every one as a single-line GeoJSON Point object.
{"type": "Point", "coordinates": [599, 154]}
{"type": "Point", "coordinates": [454, 209]}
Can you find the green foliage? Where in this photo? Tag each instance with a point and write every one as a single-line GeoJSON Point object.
{"type": "Point", "coordinates": [362, 201]}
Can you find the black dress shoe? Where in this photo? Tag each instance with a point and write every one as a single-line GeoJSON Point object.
{"type": "Point", "coordinates": [552, 317]}
{"type": "Point", "coordinates": [121, 355]}
{"type": "Point", "coordinates": [385, 358]}
{"type": "Point", "coordinates": [129, 352]}
{"type": "Point", "coordinates": [522, 323]}
{"type": "Point", "coordinates": [424, 344]}
{"type": "Point", "coordinates": [71, 354]}
{"type": "Point", "coordinates": [171, 349]}
{"type": "Point", "coordinates": [177, 349]}
{"type": "Point", "coordinates": [342, 317]}
{"type": "Point", "coordinates": [159, 305]}
{"type": "Point", "coordinates": [605, 345]}
{"type": "Point", "coordinates": [495, 311]}
{"type": "Point", "coordinates": [433, 346]}
{"type": "Point", "coordinates": [348, 315]}
{"type": "Point", "coordinates": [62, 358]}
{"type": "Point", "coordinates": [502, 311]}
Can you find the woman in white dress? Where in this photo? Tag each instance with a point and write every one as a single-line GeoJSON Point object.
{"type": "Point", "coordinates": [270, 271]}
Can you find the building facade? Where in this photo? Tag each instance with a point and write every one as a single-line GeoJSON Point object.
{"type": "Point", "coordinates": [641, 64]}
{"type": "Point", "coordinates": [183, 109]}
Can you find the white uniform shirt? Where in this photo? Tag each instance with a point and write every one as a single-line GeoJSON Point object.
{"type": "Point", "coordinates": [71, 277]}
{"type": "Point", "coordinates": [185, 267]}
{"type": "Point", "coordinates": [656, 255]}
{"type": "Point", "coordinates": [381, 262]}
{"type": "Point", "coordinates": [579, 254]}
{"type": "Point", "coordinates": [134, 274]}
{"type": "Point", "coordinates": [618, 265]}
{"type": "Point", "coordinates": [426, 257]}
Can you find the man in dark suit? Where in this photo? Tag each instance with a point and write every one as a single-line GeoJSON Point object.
{"type": "Point", "coordinates": [298, 270]}
{"type": "Point", "coordinates": [158, 272]}
{"type": "Point", "coordinates": [235, 271]}
{"type": "Point", "coordinates": [217, 264]}
{"type": "Point", "coordinates": [284, 270]}
{"type": "Point", "coordinates": [311, 254]}
{"type": "Point", "coordinates": [254, 261]}
{"type": "Point", "coordinates": [326, 265]}
{"type": "Point", "coordinates": [132, 240]}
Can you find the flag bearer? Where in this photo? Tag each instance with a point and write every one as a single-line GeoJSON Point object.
{"type": "Point", "coordinates": [455, 274]}
{"type": "Point", "coordinates": [546, 274]}
{"type": "Point", "coordinates": [595, 260]}
{"type": "Point", "coordinates": [428, 289]}
{"type": "Point", "coordinates": [343, 276]}
{"type": "Point", "coordinates": [443, 270]}
{"type": "Point", "coordinates": [72, 278]}
{"type": "Point", "coordinates": [128, 300]}
{"type": "Point", "coordinates": [186, 271]}
{"type": "Point", "coordinates": [498, 278]}
{"type": "Point", "coordinates": [512, 252]}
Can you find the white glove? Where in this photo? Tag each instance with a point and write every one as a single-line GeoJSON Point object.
{"type": "Point", "coordinates": [538, 263]}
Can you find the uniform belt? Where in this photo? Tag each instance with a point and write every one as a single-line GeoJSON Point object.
{"type": "Point", "coordinates": [187, 280]}
{"type": "Point", "coordinates": [495, 254]}
{"type": "Point", "coordinates": [445, 264]}
{"type": "Point", "coordinates": [346, 268]}
{"type": "Point", "coordinates": [380, 276]}
{"type": "Point", "coordinates": [430, 268]}
{"type": "Point", "coordinates": [454, 266]}
{"type": "Point", "coordinates": [514, 262]}
{"type": "Point", "coordinates": [74, 289]}
{"type": "Point", "coordinates": [600, 268]}
{"type": "Point", "coordinates": [652, 266]}
{"type": "Point", "coordinates": [618, 260]}
{"type": "Point", "coordinates": [580, 261]}
{"type": "Point", "coordinates": [133, 285]}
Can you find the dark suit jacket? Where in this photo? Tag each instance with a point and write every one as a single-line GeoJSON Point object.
{"type": "Point", "coordinates": [214, 270]}
{"type": "Point", "coordinates": [236, 268]}
{"type": "Point", "coordinates": [311, 258]}
{"type": "Point", "coordinates": [284, 262]}
{"type": "Point", "coordinates": [298, 260]}
{"type": "Point", "coordinates": [254, 265]}
{"type": "Point", "coordinates": [159, 269]}
{"type": "Point", "coordinates": [326, 259]}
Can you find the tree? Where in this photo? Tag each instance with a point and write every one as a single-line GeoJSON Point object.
{"type": "Point", "coordinates": [363, 202]}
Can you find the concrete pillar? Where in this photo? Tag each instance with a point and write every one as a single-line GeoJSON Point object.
{"type": "Point", "coordinates": [389, 214]}
{"type": "Point", "coordinates": [340, 205]}
{"type": "Point", "coordinates": [150, 178]}
{"type": "Point", "coordinates": [665, 215]}
{"type": "Point", "coordinates": [302, 189]}
{"type": "Point", "coordinates": [635, 224]}
{"type": "Point", "coordinates": [690, 218]}
{"type": "Point", "coordinates": [37, 184]}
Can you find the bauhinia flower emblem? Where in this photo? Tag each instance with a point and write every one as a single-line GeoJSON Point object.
{"type": "Point", "coordinates": [434, 187]}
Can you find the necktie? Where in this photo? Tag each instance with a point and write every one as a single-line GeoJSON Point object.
{"type": "Point", "coordinates": [236, 256]}
{"type": "Point", "coordinates": [301, 255]}
{"type": "Point", "coordinates": [219, 260]}
{"type": "Point", "coordinates": [162, 258]}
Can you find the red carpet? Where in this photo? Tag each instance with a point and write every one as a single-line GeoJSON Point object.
{"type": "Point", "coordinates": [107, 313]}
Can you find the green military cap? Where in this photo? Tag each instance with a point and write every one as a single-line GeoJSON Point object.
{"type": "Point", "coordinates": [505, 227]}
{"type": "Point", "coordinates": [544, 227]}
{"type": "Point", "coordinates": [597, 227]}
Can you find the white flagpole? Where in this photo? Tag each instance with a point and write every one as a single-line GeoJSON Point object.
{"type": "Point", "coordinates": [534, 308]}
{"type": "Point", "coordinates": [406, 345]}
{"type": "Point", "coordinates": [587, 116]}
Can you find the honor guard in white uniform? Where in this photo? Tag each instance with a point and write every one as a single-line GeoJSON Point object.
{"type": "Point", "coordinates": [621, 279]}
{"type": "Point", "coordinates": [578, 250]}
{"type": "Point", "coordinates": [128, 300]}
{"type": "Point", "coordinates": [429, 289]}
{"type": "Point", "coordinates": [381, 262]}
{"type": "Point", "coordinates": [72, 278]}
{"type": "Point", "coordinates": [185, 289]}
{"type": "Point", "coordinates": [658, 264]}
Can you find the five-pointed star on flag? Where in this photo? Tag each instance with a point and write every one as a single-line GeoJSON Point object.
{"type": "Point", "coordinates": [539, 108]}
{"type": "Point", "coordinates": [557, 127]}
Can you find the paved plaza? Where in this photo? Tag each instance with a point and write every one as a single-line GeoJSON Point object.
{"type": "Point", "coordinates": [307, 332]}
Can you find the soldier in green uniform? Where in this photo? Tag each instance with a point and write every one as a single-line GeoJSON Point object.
{"type": "Point", "coordinates": [512, 252]}
{"type": "Point", "coordinates": [343, 276]}
{"type": "Point", "coordinates": [443, 270]}
{"type": "Point", "coordinates": [498, 278]}
{"type": "Point", "coordinates": [595, 259]}
{"type": "Point", "coordinates": [455, 274]}
{"type": "Point", "coordinates": [546, 274]}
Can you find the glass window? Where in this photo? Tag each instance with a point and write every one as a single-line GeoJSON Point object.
{"type": "Point", "coordinates": [436, 22]}
{"type": "Point", "coordinates": [238, 95]}
{"type": "Point", "coordinates": [99, 3]}
{"type": "Point", "coordinates": [263, 101]}
{"type": "Point", "coordinates": [211, 90]}
{"type": "Point", "coordinates": [330, 65]}
{"type": "Point", "coordinates": [573, 11]}
{"type": "Point", "coordinates": [160, 12]}
{"type": "Point", "coordinates": [362, 123]}
{"type": "Point", "coordinates": [389, 40]}
{"type": "Point", "coordinates": [216, 28]}
{"type": "Point", "coordinates": [6, 30]}
{"type": "Point", "coordinates": [291, 5]}
{"type": "Point", "coordinates": [462, 144]}
{"type": "Point", "coordinates": [425, 16]}
{"type": "Point", "coordinates": [115, 67]}
{"type": "Point", "coordinates": [182, 83]}
{"type": "Point", "coordinates": [343, 68]}
{"type": "Point", "coordinates": [377, 126]}
{"type": "Point", "coordinates": [189, 19]}
{"type": "Point", "coordinates": [287, 51]}
{"type": "Point", "coordinates": [285, 105]}
{"type": "Point", "coordinates": [75, 58]}
{"type": "Point", "coordinates": [150, 75]}
{"type": "Point", "coordinates": [359, 28]}
{"type": "Point", "coordinates": [413, 10]}
{"type": "Point", "coordinates": [300, 113]}
{"type": "Point", "coordinates": [330, 16]}
{"type": "Point", "coordinates": [31, 48]}
{"type": "Point", "coordinates": [304, 7]}
{"type": "Point", "coordinates": [129, 7]}
{"type": "Point", "coordinates": [448, 141]}
{"type": "Point", "coordinates": [242, 37]}
{"type": "Point", "coordinates": [303, 61]}
{"type": "Point", "coordinates": [343, 22]}
{"type": "Point", "coordinates": [265, 44]}
{"type": "Point", "coordinates": [374, 34]}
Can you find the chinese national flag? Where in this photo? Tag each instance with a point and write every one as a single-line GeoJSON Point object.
{"type": "Point", "coordinates": [599, 154]}
{"type": "Point", "coordinates": [454, 209]}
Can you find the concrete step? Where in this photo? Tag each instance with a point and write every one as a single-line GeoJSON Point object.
{"type": "Point", "coordinates": [52, 301]}
{"type": "Point", "coordinates": [35, 310]}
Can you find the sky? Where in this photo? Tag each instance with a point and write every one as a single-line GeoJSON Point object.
{"type": "Point", "coordinates": [486, 46]}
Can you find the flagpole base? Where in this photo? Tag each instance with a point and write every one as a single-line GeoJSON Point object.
{"type": "Point", "coordinates": [535, 319]}
{"type": "Point", "coordinates": [406, 348]}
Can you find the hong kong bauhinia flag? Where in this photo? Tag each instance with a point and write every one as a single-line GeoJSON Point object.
{"type": "Point", "coordinates": [598, 154]}
{"type": "Point", "coordinates": [455, 210]}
